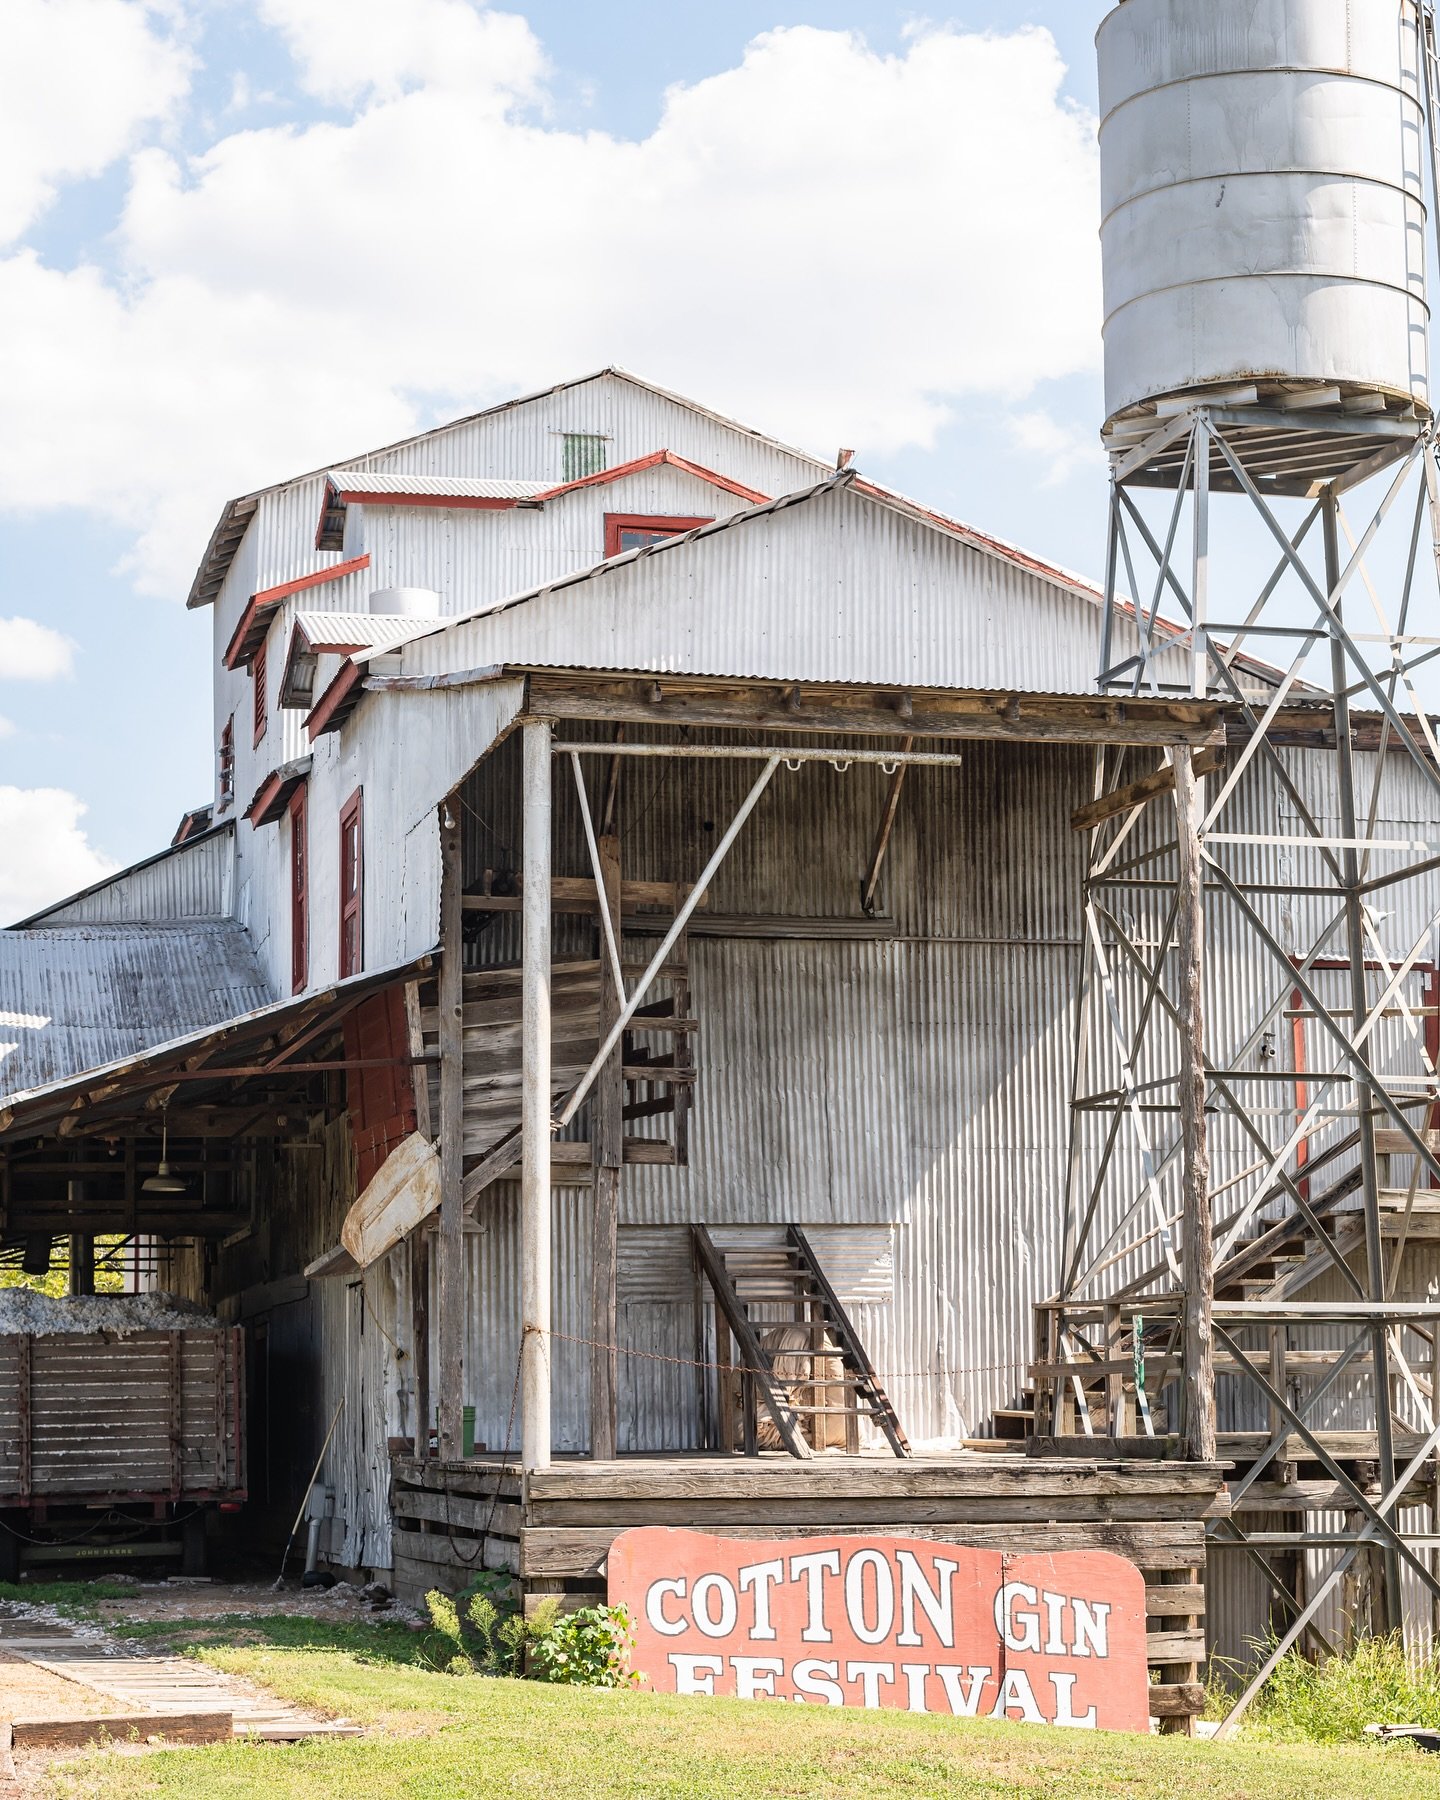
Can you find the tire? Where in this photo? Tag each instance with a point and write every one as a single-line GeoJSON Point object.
{"type": "Point", "coordinates": [194, 1550]}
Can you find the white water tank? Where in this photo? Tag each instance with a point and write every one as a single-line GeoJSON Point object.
{"type": "Point", "coordinates": [406, 602]}
{"type": "Point", "coordinates": [1263, 212]}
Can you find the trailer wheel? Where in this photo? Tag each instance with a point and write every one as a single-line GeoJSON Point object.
{"type": "Point", "coordinates": [9, 1553]}
{"type": "Point", "coordinates": [194, 1551]}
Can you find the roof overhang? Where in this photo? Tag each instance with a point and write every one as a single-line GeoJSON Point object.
{"type": "Point", "coordinates": [218, 1066]}
{"type": "Point", "coordinates": [261, 608]}
{"type": "Point", "coordinates": [338, 701]}
{"type": "Point", "coordinates": [273, 794]}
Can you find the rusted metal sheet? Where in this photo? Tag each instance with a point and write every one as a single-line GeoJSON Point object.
{"type": "Point", "coordinates": [77, 997]}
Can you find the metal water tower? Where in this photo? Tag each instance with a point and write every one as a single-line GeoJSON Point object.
{"type": "Point", "coordinates": [1255, 1147]}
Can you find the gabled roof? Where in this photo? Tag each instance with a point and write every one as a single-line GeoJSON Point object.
{"type": "Point", "coordinates": [230, 528]}
{"type": "Point", "coordinates": [821, 604]}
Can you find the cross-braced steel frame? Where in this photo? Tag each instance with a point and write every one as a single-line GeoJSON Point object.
{"type": "Point", "coordinates": [1253, 1192]}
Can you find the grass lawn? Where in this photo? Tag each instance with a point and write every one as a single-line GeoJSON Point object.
{"type": "Point", "coordinates": [441, 1737]}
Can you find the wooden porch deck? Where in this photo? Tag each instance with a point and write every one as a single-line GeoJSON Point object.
{"type": "Point", "coordinates": [553, 1528]}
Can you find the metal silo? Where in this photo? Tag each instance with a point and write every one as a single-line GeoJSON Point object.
{"type": "Point", "coordinates": [1263, 213]}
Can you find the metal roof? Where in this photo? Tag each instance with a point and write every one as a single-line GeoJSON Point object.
{"type": "Point", "coordinates": [992, 546]}
{"type": "Point", "coordinates": [74, 998]}
{"type": "Point", "coordinates": [460, 487]}
{"type": "Point", "coordinates": [107, 1093]}
{"type": "Point", "coordinates": [1044, 663]}
{"type": "Point", "coordinates": [174, 854]}
{"type": "Point", "coordinates": [371, 631]}
{"type": "Point", "coordinates": [230, 528]}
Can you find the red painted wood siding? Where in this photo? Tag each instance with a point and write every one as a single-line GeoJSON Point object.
{"type": "Point", "coordinates": [381, 1100]}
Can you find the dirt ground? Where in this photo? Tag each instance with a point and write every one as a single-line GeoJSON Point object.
{"type": "Point", "coordinates": [30, 1693]}
{"type": "Point", "coordinates": [180, 1600]}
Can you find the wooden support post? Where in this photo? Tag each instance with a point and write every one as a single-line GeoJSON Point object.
{"type": "Point", "coordinates": [607, 1149]}
{"type": "Point", "coordinates": [450, 1245]}
{"type": "Point", "coordinates": [535, 1110]}
{"type": "Point", "coordinates": [882, 833]}
{"type": "Point", "coordinates": [420, 1336]}
{"type": "Point", "coordinates": [1197, 1409]}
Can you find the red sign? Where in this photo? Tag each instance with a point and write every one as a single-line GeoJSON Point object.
{"type": "Point", "coordinates": [854, 1621]}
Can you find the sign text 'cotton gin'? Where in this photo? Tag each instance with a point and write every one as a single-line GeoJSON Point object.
{"type": "Point", "coordinates": [856, 1621]}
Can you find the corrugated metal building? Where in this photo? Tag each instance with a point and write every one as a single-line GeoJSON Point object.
{"type": "Point", "coordinates": [893, 1078]}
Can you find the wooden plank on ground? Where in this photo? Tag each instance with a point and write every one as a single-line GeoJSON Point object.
{"type": "Point", "coordinates": [80, 1734]}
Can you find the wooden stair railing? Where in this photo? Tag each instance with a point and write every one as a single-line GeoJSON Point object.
{"type": "Point", "coordinates": [790, 1276]}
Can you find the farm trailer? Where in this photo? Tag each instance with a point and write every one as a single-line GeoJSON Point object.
{"type": "Point", "coordinates": [117, 1445]}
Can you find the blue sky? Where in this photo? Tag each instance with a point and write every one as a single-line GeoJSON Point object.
{"type": "Point", "coordinates": [183, 321]}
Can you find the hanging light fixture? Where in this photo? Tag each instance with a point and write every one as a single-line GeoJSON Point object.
{"type": "Point", "coordinates": [163, 1181]}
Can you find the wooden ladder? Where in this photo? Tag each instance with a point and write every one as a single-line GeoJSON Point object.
{"type": "Point", "coordinates": [789, 1276]}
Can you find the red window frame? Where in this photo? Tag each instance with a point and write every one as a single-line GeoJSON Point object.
{"type": "Point", "coordinates": [617, 524]}
{"type": "Point", "coordinates": [227, 763]}
{"type": "Point", "coordinates": [352, 885]}
{"type": "Point", "coordinates": [298, 810]}
{"type": "Point", "coordinates": [258, 667]}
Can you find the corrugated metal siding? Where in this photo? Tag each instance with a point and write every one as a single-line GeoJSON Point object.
{"type": "Point", "coordinates": [907, 1093]}
{"type": "Point", "coordinates": [192, 881]}
{"type": "Point", "coordinates": [834, 587]}
{"type": "Point", "coordinates": [527, 441]}
{"type": "Point", "coordinates": [77, 997]}
{"type": "Point", "coordinates": [473, 558]}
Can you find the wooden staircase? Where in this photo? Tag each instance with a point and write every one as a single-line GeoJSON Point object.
{"type": "Point", "coordinates": [657, 1058]}
{"type": "Point", "coordinates": [766, 1293]}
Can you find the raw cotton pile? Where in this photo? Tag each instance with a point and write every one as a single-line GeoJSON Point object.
{"type": "Point", "coordinates": [22, 1309]}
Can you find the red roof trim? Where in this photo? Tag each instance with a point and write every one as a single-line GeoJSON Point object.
{"type": "Point", "coordinates": [657, 458]}
{"type": "Point", "coordinates": [255, 620]}
{"type": "Point", "coordinates": [335, 704]}
{"type": "Point", "coordinates": [457, 502]}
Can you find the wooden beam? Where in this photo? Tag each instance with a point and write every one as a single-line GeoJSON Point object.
{"type": "Point", "coordinates": [1078, 719]}
{"type": "Point", "coordinates": [607, 1135]}
{"type": "Point", "coordinates": [1197, 1403]}
{"type": "Point", "coordinates": [535, 1102]}
{"type": "Point", "coordinates": [450, 1251]}
{"type": "Point", "coordinates": [419, 1248]}
{"type": "Point", "coordinates": [420, 1075]}
{"type": "Point", "coordinates": [1136, 793]}
{"type": "Point", "coordinates": [882, 832]}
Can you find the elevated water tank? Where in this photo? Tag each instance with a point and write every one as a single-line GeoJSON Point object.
{"type": "Point", "coordinates": [1263, 212]}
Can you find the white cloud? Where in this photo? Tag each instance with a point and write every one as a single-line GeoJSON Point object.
{"type": "Point", "coordinates": [30, 651]}
{"type": "Point", "coordinates": [345, 49]}
{"type": "Point", "coordinates": [1060, 450]}
{"type": "Point", "coordinates": [78, 78]}
{"type": "Point", "coordinates": [7, 727]}
{"type": "Point", "coordinates": [834, 245]}
{"type": "Point", "coordinates": [57, 858]}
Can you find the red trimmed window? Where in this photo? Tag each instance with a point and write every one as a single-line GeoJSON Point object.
{"type": "Point", "coordinates": [227, 763]}
{"type": "Point", "coordinates": [258, 675]}
{"type": "Point", "coordinates": [352, 885]}
{"type": "Point", "coordinates": [632, 531]}
{"type": "Point", "coordinates": [299, 889]}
